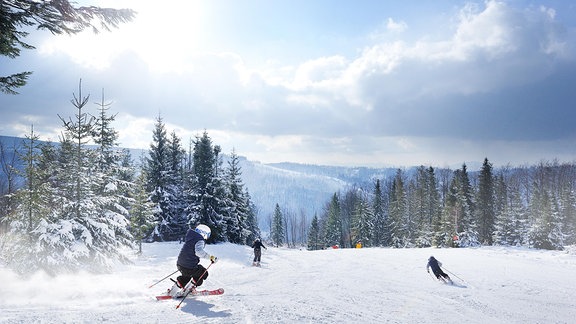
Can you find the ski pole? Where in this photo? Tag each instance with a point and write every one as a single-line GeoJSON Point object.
{"type": "Point", "coordinates": [180, 303]}
{"type": "Point", "coordinates": [157, 282]}
{"type": "Point", "coordinates": [453, 274]}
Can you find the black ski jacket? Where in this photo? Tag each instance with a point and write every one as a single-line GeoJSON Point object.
{"type": "Point", "coordinates": [258, 245]}
{"type": "Point", "coordinates": [435, 265]}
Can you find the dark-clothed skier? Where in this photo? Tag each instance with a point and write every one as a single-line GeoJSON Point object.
{"type": "Point", "coordinates": [257, 246]}
{"type": "Point", "coordinates": [188, 262]}
{"type": "Point", "coordinates": [435, 265]}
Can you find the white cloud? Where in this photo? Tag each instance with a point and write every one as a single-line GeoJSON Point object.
{"type": "Point", "coordinates": [317, 108]}
{"type": "Point", "coordinates": [394, 26]}
{"type": "Point", "coordinates": [134, 132]}
{"type": "Point", "coordinates": [318, 73]}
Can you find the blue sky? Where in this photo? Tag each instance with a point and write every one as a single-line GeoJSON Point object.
{"type": "Point", "coordinates": [357, 83]}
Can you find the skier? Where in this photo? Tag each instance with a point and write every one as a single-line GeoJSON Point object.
{"type": "Point", "coordinates": [188, 262]}
{"type": "Point", "coordinates": [435, 265]}
{"type": "Point", "coordinates": [257, 246]}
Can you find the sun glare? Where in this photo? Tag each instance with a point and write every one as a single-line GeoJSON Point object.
{"type": "Point", "coordinates": [164, 34]}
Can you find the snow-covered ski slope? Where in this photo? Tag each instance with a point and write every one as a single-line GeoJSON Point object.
{"type": "Point", "coordinates": [370, 285]}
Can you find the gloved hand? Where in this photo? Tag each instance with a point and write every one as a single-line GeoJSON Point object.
{"type": "Point", "coordinates": [213, 259]}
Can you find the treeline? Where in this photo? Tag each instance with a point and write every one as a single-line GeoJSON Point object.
{"type": "Point", "coordinates": [525, 206]}
{"type": "Point", "coordinates": [69, 205]}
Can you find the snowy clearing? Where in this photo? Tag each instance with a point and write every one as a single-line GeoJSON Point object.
{"type": "Point", "coordinates": [371, 285]}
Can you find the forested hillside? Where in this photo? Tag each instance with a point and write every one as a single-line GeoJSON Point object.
{"type": "Point", "coordinates": [532, 206]}
{"type": "Point", "coordinates": [77, 203]}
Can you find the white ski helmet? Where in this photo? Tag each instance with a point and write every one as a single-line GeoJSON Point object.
{"type": "Point", "coordinates": [203, 230]}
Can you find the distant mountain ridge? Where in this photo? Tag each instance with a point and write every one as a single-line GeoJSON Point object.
{"type": "Point", "coordinates": [297, 188]}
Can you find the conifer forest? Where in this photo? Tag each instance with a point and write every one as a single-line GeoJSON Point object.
{"type": "Point", "coordinates": [81, 202]}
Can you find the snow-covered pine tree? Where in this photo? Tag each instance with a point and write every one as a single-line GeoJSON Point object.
{"type": "Point", "coordinates": [363, 222]}
{"type": "Point", "coordinates": [157, 168]}
{"type": "Point", "coordinates": [9, 182]}
{"type": "Point", "coordinates": [105, 136]}
{"type": "Point", "coordinates": [206, 197]}
{"type": "Point", "coordinates": [177, 221]}
{"type": "Point", "coordinates": [314, 236]}
{"type": "Point", "coordinates": [141, 214]}
{"type": "Point", "coordinates": [115, 164]}
{"type": "Point", "coordinates": [485, 204]}
{"type": "Point", "coordinates": [251, 219]}
{"type": "Point", "coordinates": [451, 223]}
{"type": "Point", "coordinates": [467, 225]}
{"type": "Point", "coordinates": [238, 225]}
{"type": "Point", "coordinates": [567, 201]}
{"type": "Point", "coordinates": [501, 207]}
{"type": "Point", "coordinates": [424, 206]}
{"type": "Point", "coordinates": [277, 230]}
{"type": "Point", "coordinates": [379, 231]}
{"type": "Point", "coordinates": [418, 206]}
{"type": "Point", "coordinates": [333, 227]}
{"type": "Point", "coordinates": [398, 211]}
{"type": "Point", "coordinates": [545, 222]}
{"type": "Point", "coordinates": [78, 232]}
{"type": "Point", "coordinates": [434, 206]}
{"type": "Point", "coordinates": [348, 203]}
{"type": "Point", "coordinates": [114, 171]}
{"type": "Point", "coordinates": [22, 252]}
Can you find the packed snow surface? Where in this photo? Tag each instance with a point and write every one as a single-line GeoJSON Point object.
{"type": "Point", "coordinates": [370, 285]}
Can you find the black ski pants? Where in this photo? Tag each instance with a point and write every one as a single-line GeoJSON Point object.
{"type": "Point", "coordinates": [199, 273]}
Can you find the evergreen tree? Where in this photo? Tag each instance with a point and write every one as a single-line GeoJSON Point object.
{"type": "Point", "coordinates": [238, 224]}
{"type": "Point", "coordinates": [450, 224]}
{"type": "Point", "coordinates": [157, 170]}
{"type": "Point", "coordinates": [467, 226]}
{"type": "Point", "coordinates": [31, 195]}
{"type": "Point", "coordinates": [177, 220]}
{"type": "Point", "coordinates": [380, 235]}
{"type": "Point", "coordinates": [424, 207]}
{"type": "Point", "coordinates": [567, 201]}
{"type": "Point", "coordinates": [114, 171]}
{"type": "Point", "coordinates": [277, 230]}
{"type": "Point", "coordinates": [126, 177]}
{"type": "Point", "coordinates": [141, 214]}
{"type": "Point", "coordinates": [502, 220]}
{"type": "Point", "coordinates": [105, 137]}
{"type": "Point", "coordinates": [486, 204]}
{"type": "Point", "coordinates": [348, 205]}
{"type": "Point", "coordinates": [363, 222]}
{"type": "Point", "coordinates": [9, 182]}
{"type": "Point", "coordinates": [333, 228]}
{"type": "Point", "coordinates": [418, 207]}
{"type": "Point", "coordinates": [546, 224]}
{"type": "Point", "coordinates": [78, 231]}
{"type": "Point", "coordinates": [314, 238]}
{"type": "Point", "coordinates": [545, 232]}
{"type": "Point", "coordinates": [400, 224]}
{"type": "Point", "coordinates": [251, 219]}
{"type": "Point", "coordinates": [32, 208]}
{"type": "Point", "coordinates": [434, 208]}
{"type": "Point", "coordinates": [207, 195]}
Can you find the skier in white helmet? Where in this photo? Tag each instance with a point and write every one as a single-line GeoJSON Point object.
{"type": "Point", "coordinates": [188, 262]}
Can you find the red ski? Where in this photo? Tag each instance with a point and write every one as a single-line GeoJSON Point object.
{"type": "Point", "coordinates": [204, 292]}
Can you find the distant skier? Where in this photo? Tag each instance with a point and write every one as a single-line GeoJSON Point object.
{"type": "Point", "coordinates": [188, 262]}
{"type": "Point", "coordinates": [435, 265]}
{"type": "Point", "coordinates": [257, 246]}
